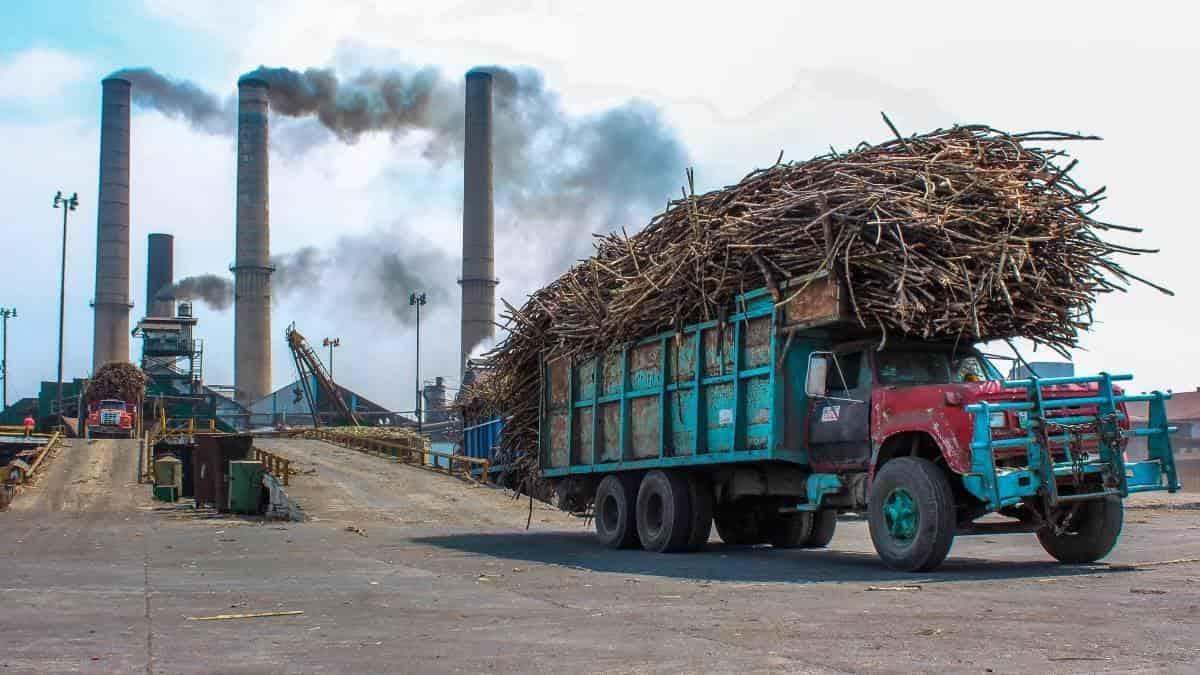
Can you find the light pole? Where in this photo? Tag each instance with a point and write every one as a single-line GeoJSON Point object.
{"type": "Point", "coordinates": [331, 343]}
{"type": "Point", "coordinates": [6, 313]}
{"type": "Point", "coordinates": [416, 300]}
{"type": "Point", "coordinates": [68, 204]}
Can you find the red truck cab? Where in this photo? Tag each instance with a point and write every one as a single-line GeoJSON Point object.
{"type": "Point", "coordinates": [1049, 453]}
{"type": "Point", "coordinates": [112, 418]}
{"type": "Point", "coordinates": [880, 403]}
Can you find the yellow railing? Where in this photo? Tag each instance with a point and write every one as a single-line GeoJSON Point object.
{"type": "Point", "coordinates": [166, 427]}
{"type": "Point", "coordinates": [280, 467]}
{"type": "Point", "coordinates": [407, 449]}
{"type": "Point", "coordinates": [12, 430]}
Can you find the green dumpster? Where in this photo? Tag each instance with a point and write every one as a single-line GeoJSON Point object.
{"type": "Point", "coordinates": [168, 470]}
{"type": "Point", "coordinates": [245, 486]}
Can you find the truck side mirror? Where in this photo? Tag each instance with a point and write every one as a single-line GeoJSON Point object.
{"type": "Point", "coordinates": [818, 370]}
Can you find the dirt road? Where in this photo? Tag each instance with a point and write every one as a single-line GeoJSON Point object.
{"type": "Point", "coordinates": [86, 476]}
{"type": "Point", "coordinates": [344, 485]}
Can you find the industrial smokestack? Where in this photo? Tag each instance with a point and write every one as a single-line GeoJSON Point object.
{"type": "Point", "coordinates": [160, 275]}
{"type": "Point", "coordinates": [252, 267]}
{"type": "Point", "coordinates": [479, 264]}
{"type": "Point", "coordinates": [110, 337]}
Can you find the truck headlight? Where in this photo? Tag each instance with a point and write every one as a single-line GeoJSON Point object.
{"type": "Point", "coordinates": [997, 420]}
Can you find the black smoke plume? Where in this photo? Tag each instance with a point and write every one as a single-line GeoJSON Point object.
{"type": "Point", "coordinates": [368, 274]}
{"type": "Point", "coordinates": [555, 172]}
{"type": "Point", "coordinates": [396, 101]}
{"type": "Point", "coordinates": [181, 99]}
{"type": "Point", "coordinates": [553, 169]}
{"type": "Point", "coordinates": [212, 290]}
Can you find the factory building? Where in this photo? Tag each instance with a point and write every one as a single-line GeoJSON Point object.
{"type": "Point", "coordinates": [287, 406]}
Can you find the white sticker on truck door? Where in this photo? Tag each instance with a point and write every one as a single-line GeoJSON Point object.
{"type": "Point", "coordinates": [831, 413]}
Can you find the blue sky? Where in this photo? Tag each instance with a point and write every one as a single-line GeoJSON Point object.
{"type": "Point", "coordinates": [737, 88]}
{"type": "Point", "coordinates": [107, 35]}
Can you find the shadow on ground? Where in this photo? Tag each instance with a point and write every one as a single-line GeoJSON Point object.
{"type": "Point", "coordinates": [720, 562]}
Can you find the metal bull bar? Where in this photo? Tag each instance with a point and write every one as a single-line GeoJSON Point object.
{"type": "Point", "coordinates": [1044, 434]}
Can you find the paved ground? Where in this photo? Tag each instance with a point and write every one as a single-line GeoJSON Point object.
{"type": "Point", "coordinates": [438, 576]}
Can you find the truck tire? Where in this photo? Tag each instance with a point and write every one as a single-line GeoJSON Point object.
{"type": "Point", "coordinates": [823, 526]}
{"type": "Point", "coordinates": [700, 493]}
{"type": "Point", "coordinates": [664, 516]}
{"type": "Point", "coordinates": [789, 531]}
{"type": "Point", "coordinates": [911, 514]}
{"type": "Point", "coordinates": [616, 525]}
{"type": "Point", "coordinates": [739, 525]}
{"type": "Point", "coordinates": [1091, 533]}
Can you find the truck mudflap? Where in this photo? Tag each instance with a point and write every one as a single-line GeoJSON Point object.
{"type": "Point", "coordinates": [1088, 448]}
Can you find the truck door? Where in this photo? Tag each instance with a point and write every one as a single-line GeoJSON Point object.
{"type": "Point", "coordinates": [839, 434]}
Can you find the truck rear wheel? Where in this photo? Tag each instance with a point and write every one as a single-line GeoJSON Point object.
{"type": "Point", "coordinates": [664, 516]}
{"type": "Point", "coordinates": [1090, 534]}
{"type": "Point", "coordinates": [700, 495]}
{"type": "Point", "coordinates": [789, 531]}
{"type": "Point", "coordinates": [739, 525]}
{"type": "Point", "coordinates": [911, 514]}
{"type": "Point", "coordinates": [823, 526]}
{"type": "Point", "coordinates": [616, 525]}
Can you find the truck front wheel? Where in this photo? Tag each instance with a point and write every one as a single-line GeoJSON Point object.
{"type": "Point", "coordinates": [1090, 533]}
{"type": "Point", "coordinates": [911, 514]}
{"type": "Point", "coordinates": [664, 518]}
{"type": "Point", "coordinates": [616, 525]}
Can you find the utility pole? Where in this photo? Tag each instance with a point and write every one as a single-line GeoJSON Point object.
{"type": "Point", "coordinates": [416, 300]}
{"type": "Point", "coordinates": [68, 204]}
{"type": "Point", "coordinates": [6, 313]}
{"type": "Point", "coordinates": [331, 343]}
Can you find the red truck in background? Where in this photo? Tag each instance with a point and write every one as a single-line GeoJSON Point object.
{"type": "Point", "coordinates": [112, 418]}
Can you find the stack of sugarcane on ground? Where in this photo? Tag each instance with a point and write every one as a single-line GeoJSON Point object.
{"type": "Point", "coordinates": [968, 233]}
{"type": "Point", "coordinates": [377, 432]}
{"type": "Point", "coordinates": [119, 381]}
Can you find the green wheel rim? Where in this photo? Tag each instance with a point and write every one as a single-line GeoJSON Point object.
{"type": "Point", "coordinates": [901, 516]}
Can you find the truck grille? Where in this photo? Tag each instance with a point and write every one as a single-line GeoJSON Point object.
{"type": "Point", "coordinates": [110, 417]}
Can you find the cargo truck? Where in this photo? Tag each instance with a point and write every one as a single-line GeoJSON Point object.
{"type": "Point", "coordinates": [111, 418]}
{"type": "Point", "coordinates": [772, 420]}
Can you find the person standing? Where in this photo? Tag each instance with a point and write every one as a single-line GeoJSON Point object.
{"type": "Point", "coordinates": [29, 425]}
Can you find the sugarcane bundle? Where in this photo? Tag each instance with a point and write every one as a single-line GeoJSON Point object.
{"type": "Point", "coordinates": [117, 381]}
{"type": "Point", "coordinates": [967, 234]}
{"type": "Point", "coordinates": [378, 432]}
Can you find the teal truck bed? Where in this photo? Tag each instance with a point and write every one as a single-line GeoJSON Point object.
{"type": "Point", "coordinates": [708, 394]}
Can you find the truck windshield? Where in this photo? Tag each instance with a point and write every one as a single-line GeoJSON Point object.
{"type": "Point", "coordinates": [112, 405]}
{"type": "Point", "coordinates": [928, 367]}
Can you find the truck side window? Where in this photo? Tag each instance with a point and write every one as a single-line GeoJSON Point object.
{"type": "Point", "coordinates": [851, 364]}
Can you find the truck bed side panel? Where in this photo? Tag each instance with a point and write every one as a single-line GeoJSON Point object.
{"type": "Point", "coordinates": [708, 394]}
